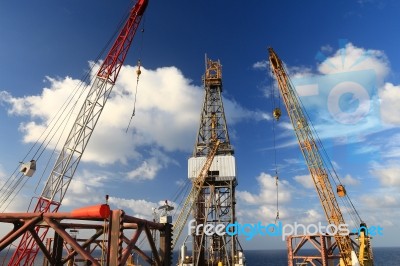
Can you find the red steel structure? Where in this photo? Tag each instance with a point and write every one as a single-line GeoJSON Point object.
{"type": "Point", "coordinates": [113, 232]}
{"type": "Point", "coordinates": [74, 147]}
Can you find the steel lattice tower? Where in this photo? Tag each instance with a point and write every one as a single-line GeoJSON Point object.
{"type": "Point", "coordinates": [216, 202]}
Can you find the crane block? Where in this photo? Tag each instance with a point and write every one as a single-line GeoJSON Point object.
{"type": "Point", "coordinates": [29, 168]}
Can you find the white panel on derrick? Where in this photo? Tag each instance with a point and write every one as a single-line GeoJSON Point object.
{"type": "Point", "coordinates": [223, 166]}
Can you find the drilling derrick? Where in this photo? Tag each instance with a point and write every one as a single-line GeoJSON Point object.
{"type": "Point", "coordinates": [216, 201]}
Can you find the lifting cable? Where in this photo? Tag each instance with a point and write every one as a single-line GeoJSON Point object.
{"type": "Point", "coordinates": [182, 193]}
{"type": "Point", "coordinates": [17, 180]}
{"type": "Point", "coordinates": [12, 186]}
{"type": "Point", "coordinates": [276, 172]}
{"type": "Point", "coordinates": [331, 172]}
{"type": "Point", "coordinates": [138, 72]}
{"type": "Point", "coordinates": [276, 115]}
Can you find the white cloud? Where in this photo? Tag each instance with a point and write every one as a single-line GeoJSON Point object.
{"type": "Point", "coordinates": [305, 180]}
{"type": "Point", "coordinates": [352, 58]}
{"type": "Point", "coordinates": [362, 116]}
{"type": "Point", "coordinates": [234, 112]}
{"type": "Point", "coordinates": [261, 65]}
{"type": "Point", "coordinates": [380, 201]}
{"type": "Point", "coordinates": [146, 171]}
{"type": "Point", "coordinates": [266, 116]}
{"type": "Point", "coordinates": [149, 167]}
{"type": "Point", "coordinates": [19, 204]}
{"type": "Point", "coordinates": [298, 71]}
{"type": "Point", "coordinates": [388, 175]}
{"type": "Point", "coordinates": [166, 120]}
{"type": "Point", "coordinates": [86, 188]}
{"type": "Point", "coordinates": [138, 208]}
{"type": "Point", "coordinates": [286, 125]}
{"type": "Point", "coordinates": [311, 216]}
{"type": "Point", "coordinates": [390, 98]}
{"type": "Point", "coordinates": [292, 161]}
{"type": "Point", "coordinates": [349, 180]}
{"type": "Point", "coordinates": [380, 207]}
{"type": "Point", "coordinates": [327, 48]}
{"type": "Point", "coordinates": [267, 191]}
{"type": "Point", "coordinates": [367, 149]}
{"type": "Point", "coordinates": [166, 117]}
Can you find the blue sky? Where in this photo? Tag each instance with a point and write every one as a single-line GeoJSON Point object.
{"type": "Point", "coordinates": [46, 47]}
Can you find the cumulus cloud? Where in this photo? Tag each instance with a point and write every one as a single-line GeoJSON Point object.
{"type": "Point", "coordinates": [382, 201]}
{"type": "Point", "coordinates": [390, 98]}
{"type": "Point", "coordinates": [298, 71]}
{"type": "Point", "coordinates": [147, 170]}
{"type": "Point", "coordinates": [86, 188]}
{"type": "Point", "coordinates": [380, 207]}
{"type": "Point", "coordinates": [166, 116]}
{"type": "Point", "coordinates": [261, 65]}
{"type": "Point", "coordinates": [311, 216]}
{"type": "Point", "coordinates": [349, 180]}
{"type": "Point", "coordinates": [333, 94]}
{"type": "Point", "coordinates": [138, 208]}
{"type": "Point", "coordinates": [352, 58]}
{"type": "Point", "coordinates": [304, 180]}
{"type": "Point", "coordinates": [267, 191]}
{"type": "Point", "coordinates": [166, 119]}
{"type": "Point", "coordinates": [388, 175]}
{"type": "Point", "coordinates": [386, 146]}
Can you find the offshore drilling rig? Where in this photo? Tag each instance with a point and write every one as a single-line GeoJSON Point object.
{"type": "Point", "coordinates": [215, 203]}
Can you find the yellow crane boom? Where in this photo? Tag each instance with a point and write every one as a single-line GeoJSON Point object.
{"type": "Point", "coordinates": [193, 194]}
{"type": "Point", "coordinates": [316, 166]}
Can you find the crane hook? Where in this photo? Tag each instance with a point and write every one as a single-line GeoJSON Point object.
{"type": "Point", "coordinates": [138, 71]}
{"type": "Point", "coordinates": [277, 113]}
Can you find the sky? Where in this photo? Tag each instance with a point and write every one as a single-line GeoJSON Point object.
{"type": "Point", "coordinates": [342, 57]}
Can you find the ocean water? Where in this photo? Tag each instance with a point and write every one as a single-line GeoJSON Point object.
{"type": "Point", "coordinates": [389, 256]}
{"type": "Point", "coordinates": [382, 257]}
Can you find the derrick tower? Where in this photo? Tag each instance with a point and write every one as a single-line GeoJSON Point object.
{"type": "Point", "coordinates": [216, 202]}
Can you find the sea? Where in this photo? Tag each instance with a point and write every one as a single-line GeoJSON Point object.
{"type": "Point", "coordinates": [383, 256]}
{"type": "Point", "coordinates": [389, 256]}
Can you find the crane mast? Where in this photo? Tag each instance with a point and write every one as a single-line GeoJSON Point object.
{"type": "Point", "coordinates": [67, 162]}
{"type": "Point", "coordinates": [312, 157]}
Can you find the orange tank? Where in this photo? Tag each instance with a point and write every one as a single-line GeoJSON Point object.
{"type": "Point", "coordinates": [97, 211]}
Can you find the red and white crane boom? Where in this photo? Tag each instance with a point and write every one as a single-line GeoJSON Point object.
{"type": "Point", "coordinates": [67, 162]}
